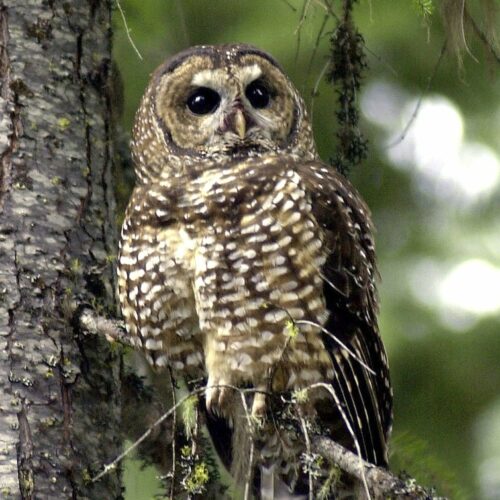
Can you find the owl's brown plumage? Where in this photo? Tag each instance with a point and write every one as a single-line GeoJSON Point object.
{"type": "Point", "coordinates": [246, 260]}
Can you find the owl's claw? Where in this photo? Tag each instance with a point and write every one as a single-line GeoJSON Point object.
{"type": "Point", "coordinates": [217, 396]}
{"type": "Point", "coordinates": [218, 399]}
{"type": "Point", "coordinates": [259, 405]}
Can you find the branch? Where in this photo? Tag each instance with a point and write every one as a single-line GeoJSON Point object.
{"type": "Point", "coordinates": [90, 322]}
{"type": "Point", "coordinates": [413, 117]}
{"type": "Point", "coordinates": [381, 482]}
{"type": "Point", "coordinates": [144, 436]}
{"type": "Point", "coordinates": [128, 30]}
{"type": "Point", "coordinates": [482, 36]}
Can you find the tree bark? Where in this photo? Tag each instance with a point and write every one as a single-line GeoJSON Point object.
{"type": "Point", "coordinates": [59, 391]}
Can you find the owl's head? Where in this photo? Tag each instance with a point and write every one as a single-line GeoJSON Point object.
{"type": "Point", "coordinates": [218, 102]}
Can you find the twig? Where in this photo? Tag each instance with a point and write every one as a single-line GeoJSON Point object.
{"type": "Point", "coordinates": [328, 8]}
{"type": "Point", "coordinates": [481, 35]}
{"type": "Point", "coordinates": [339, 342]}
{"type": "Point", "coordinates": [303, 15]}
{"type": "Point", "coordinates": [308, 449]}
{"type": "Point", "coordinates": [174, 426]}
{"type": "Point", "coordinates": [381, 60]}
{"type": "Point", "coordinates": [127, 30]}
{"type": "Point", "coordinates": [196, 431]}
{"type": "Point", "coordinates": [462, 30]}
{"type": "Point", "coordinates": [377, 480]}
{"type": "Point", "coordinates": [316, 86]}
{"type": "Point", "coordinates": [413, 116]}
{"type": "Point", "coordinates": [144, 436]}
{"type": "Point", "coordinates": [329, 388]}
{"type": "Point", "coordinates": [289, 5]}
{"type": "Point", "coordinates": [251, 429]}
{"type": "Point", "coordinates": [248, 479]}
{"type": "Point", "coordinates": [315, 50]}
{"type": "Point", "coordinates": [160, 420]}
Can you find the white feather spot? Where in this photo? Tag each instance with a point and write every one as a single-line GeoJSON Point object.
{"type": "Point", "coordinates": [153, 344]}
{"type": "Point", "coordinates": [267, 335]}
{"type": "Point", "coordinates": [162, 361]}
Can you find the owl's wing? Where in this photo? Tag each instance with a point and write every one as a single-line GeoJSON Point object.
{"type": "Point", "coordinates": [350, 276]}
{"type": "Point", "coordinates": [155, 293]}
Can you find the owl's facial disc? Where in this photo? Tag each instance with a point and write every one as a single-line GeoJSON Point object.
{"type": "Point", "coordinates": [216, 106]}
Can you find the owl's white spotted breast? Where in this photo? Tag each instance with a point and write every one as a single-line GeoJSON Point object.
{"type": "Point", "coordinates": [256, 270]}
{"type": "Point", "coordinates": [238, 261]}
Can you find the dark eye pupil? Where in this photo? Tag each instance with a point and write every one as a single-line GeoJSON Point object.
{"type": "Point", "coordinates": [258, 94]}
{"type": "Point", "coordinates": [203, 101]}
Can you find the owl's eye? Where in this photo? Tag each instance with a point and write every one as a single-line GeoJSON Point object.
{"type": "Point", "coordinates": [203, 101]}
{"type": "Point", "coordinates": [258, 94]}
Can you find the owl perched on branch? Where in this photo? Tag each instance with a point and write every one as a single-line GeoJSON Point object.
{"type": "Point", "coordinates": [247, 261]}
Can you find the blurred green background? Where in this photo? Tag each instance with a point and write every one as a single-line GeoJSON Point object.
{"type": "Point", "coordinates": [434, 194]}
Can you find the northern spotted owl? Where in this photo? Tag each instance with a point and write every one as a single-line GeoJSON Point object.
{"type": "Point", "coordinates": [248, 262]}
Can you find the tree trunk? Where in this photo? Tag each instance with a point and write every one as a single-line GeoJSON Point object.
{"type": "Point", "coordinates": [59, 391]}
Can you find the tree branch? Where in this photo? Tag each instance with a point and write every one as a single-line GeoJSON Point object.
{"type": "Point", "coordinates": [114, 330]}
{"type": "Point", "coordinates": [381, 482]}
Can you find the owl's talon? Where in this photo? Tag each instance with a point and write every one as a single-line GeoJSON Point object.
{"type": "Point", "coordinates": [217, 397]}
{"type": "Point", "coordinates": [259, 405]}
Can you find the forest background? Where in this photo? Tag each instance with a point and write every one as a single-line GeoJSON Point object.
{"type": "Point", "coordinates": [431, 179]}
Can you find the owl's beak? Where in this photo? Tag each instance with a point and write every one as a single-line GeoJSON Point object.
{"type": "Point", "coordinates": [239, 123]}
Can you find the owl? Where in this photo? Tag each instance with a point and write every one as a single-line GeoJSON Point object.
{"type": "Point", "coordinates": [249, 263]}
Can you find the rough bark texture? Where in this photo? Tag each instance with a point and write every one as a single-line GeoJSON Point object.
{"type": "Point", "coordinates": [380, 482]}
{"type": "Point", "coordinates": [59, 392]}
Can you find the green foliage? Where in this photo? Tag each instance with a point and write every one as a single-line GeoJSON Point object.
{"type": "Point", "coordinates": [291, 328]}
{"type": "Point", "coordinates": [425, 8]}
{"type": "Point", "coordinates": [63, 123]}
{"type": "Point", "coordinates": [300, 395]}
{"type": "Point", "coordinates": [328, 487]}
{"type": "Point", "coordinates": [312, 464]}
{"type": "Point", "coordinates": [197, 479]}
{"type": "Point", "coordinates": [189, 415]}
{"type": "Point", "coordinates": [195, 472]}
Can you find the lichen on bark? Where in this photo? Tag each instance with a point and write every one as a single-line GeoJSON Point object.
{"type": "Point", "coordinates": [59, 392]}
